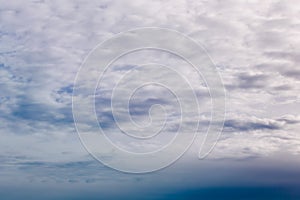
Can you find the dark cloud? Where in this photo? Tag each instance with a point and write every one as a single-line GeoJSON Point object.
{"type": "Point", "coordinates": [247, 81]}
{"type": "Point", "coordinates": [254, 123]}
{"type": "Point", "coordinates": [236, 125]}
{"type": "Point", "coordinates": [292, 73]}
{"type": "Point", "coordinates": [282, 87]}
{"type": "Point", "coordinates": [290, 119]}
{"type": "Point", "coordinates": [283, 55]}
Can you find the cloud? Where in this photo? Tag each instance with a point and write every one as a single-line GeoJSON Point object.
{"type": "Point", "coordinates": [252, 124]}
{"type": "Point", "coordinates": [255, 46]}
{"type": "Point", "coordinates": [241, 123]}
{"type": "Point", "coordinates": [247, 81]}
{"type": "Point", "coordinates": [290, 119]}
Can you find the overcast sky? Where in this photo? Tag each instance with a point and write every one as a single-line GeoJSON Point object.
{"type": "Point", "coordinates": [254, 45]}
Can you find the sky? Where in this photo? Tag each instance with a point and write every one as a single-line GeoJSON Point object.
{"type": "Point", "coordinates": [254, 47]}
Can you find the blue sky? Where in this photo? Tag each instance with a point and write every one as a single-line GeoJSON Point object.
{"type": "Point", "coordinates": [254, 46]}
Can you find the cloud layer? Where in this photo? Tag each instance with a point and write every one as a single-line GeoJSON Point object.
{"type": "Point", "coordinates": [255, 46]}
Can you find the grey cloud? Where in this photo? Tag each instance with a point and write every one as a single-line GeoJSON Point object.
{"type": "Point", "coordinates": [252, 81]}
{"type": "Point", "coordinates": [237, 125]}
{"type": "Point", "coordinates": [247, 81]}
{"type": "Point", "coordinates": [292, 73]}
{"type": "Point", "coordinates": [290, 119]}
{"type": "Point", "coordinates": [283, 67]}
{"type": "Point", "coordinates": [243, 123]}
{"type": "Point", "coordinates": [284, 55]}
{"type": "Point", "coordinates": [283, 87]}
